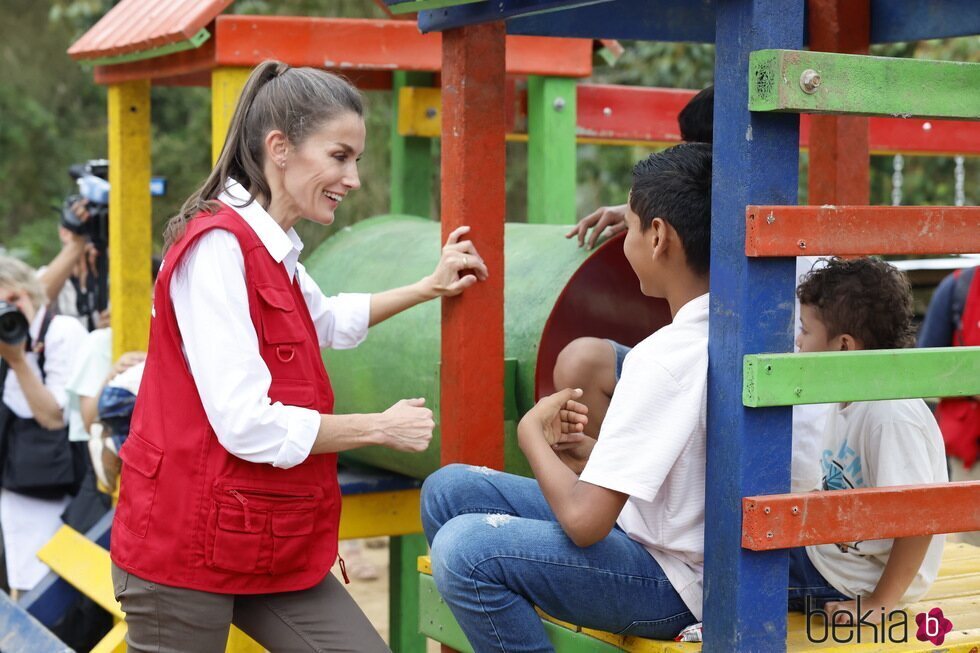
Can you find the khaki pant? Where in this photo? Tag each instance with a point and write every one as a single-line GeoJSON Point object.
{"type": "Point", "coordinates": [165, 619]}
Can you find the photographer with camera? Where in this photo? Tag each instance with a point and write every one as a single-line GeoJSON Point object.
{"type": "Point", "coordinates": [76, 280]}
{"type": "Point", "coordinates": [40, 469]}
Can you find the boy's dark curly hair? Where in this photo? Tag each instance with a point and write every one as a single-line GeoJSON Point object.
{"type": "Point", "coordinates": [865, 297]}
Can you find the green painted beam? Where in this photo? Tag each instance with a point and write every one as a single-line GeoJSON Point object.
{"type": "Point", "coordinates": [551, 157]}
{"type": "Point", "coordinates": [436, 621]}
{"type": "Point", "coordinates": [411, 157]}
{"type": "Point", "coordinates": [824, 82]}
{"type": "Point", "coordinates": [422, 5]}
{"type": "Point", "coordinates": [194, 42]}
{"type": "Point", "coordinates": [791, 379]}
{"type": "Point", "coordinates": [403, 595]}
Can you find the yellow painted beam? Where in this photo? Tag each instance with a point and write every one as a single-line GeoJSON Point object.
{"type": "Point", "coordinates": [226, 87]}
{"type": "Point", "coordinates": [420, 111]}
{"type": "Point", "coordinates": [84, 564]}
{"type": "Point", "coordinates": [376, 514]}
{"type": "Point", "coordinates": [130, 225]}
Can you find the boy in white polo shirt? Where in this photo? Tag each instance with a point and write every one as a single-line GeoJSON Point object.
{"type": "Point", "coordinates": [611, 534]}
{"type": "Point", "coordinates": [844, 306]}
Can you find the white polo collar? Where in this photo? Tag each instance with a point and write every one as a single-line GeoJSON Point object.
{"type": "Point", "coordinates": [279, 243]}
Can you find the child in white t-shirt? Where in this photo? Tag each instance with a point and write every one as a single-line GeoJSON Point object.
{"type": "Point", "coordinates": [867, 304]}
{"type": "Point", "coordinates": [611, 534]}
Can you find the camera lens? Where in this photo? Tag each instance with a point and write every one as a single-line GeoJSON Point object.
{"type": "Point", "coordinates": [13, 324]}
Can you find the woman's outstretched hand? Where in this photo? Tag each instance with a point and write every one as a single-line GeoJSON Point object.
{"type": "Point", "coordinates": [407, 426]}
{"type": "Point", "coordinates": [459, 267]}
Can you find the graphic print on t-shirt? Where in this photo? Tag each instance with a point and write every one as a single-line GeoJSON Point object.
{"type": "Point", "coordinates": [842, 472]}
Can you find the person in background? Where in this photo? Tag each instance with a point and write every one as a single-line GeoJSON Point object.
{"type": "Point", "coordinates": [953, 320]}
{"type": "Point", "coordinates": [609, 534]}
{"type": "Point", "coordinates": [595, 364]}
{"type": "Point", "coordinates": [67, 279]}
{"type": "Point", "coordinates": [33, 374]}
{"type": "Point", "coordinates": [853, 305]}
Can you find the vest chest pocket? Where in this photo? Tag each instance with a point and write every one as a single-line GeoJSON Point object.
{"type": "Point", "coordinates": [138, 483]}
{"type": "Point", "coordinates": [282, 325]}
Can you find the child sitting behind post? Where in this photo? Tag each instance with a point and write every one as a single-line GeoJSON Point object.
{"type": "Point", "coordinates": [844, 306]}
{"type": "Point", "coordinates": [610, 535]}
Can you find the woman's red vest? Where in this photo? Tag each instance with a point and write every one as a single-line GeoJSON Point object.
{"type": "Point", "coordinates": [191, 514]}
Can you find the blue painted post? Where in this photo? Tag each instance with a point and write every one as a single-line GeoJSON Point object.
{"type": "Point", "coordinates": [755, 159]}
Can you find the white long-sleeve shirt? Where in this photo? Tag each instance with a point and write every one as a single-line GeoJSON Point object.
{"type": "Point", "coordinates": [210, 302]}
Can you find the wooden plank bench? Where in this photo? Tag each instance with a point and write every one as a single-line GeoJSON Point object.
{"type": "Point", "coordinates": [956, 592]}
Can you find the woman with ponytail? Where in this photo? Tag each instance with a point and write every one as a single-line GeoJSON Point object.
{"type": "Point", "coordinates": [229, 503]}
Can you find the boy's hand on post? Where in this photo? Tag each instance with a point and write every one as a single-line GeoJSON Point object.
{"type": "Point", "coordinates": [611, 218]}
{"type": "Point", "coordinates": [448, 279]}
{"type": "Point", "coordinates": [407, 426]}
{"type": "Point", "coordinates": [559, 417]}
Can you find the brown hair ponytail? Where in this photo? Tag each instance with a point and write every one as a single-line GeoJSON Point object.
{"type": "Point", "coordinates": [296, 101]}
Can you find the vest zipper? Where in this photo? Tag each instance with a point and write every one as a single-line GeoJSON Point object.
{"type": "Point", "coordinates": [242, 500]}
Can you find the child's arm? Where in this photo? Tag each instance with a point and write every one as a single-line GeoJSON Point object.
{"type": "Point", "coordinates": [586, 512]}
{"type": "Point", "coordinates": [903, 564]}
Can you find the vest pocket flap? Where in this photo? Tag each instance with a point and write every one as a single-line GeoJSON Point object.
{"type": "Point", "coordinates": [276, 297]}
{"type": "Point", "coordinates": [294, 522]}
{"type": "Point", "coordinates": [281, 323]}
{"type": "Point", "coordinates": [234, 518]}
{"type": "Point", "coordinates": [292, 393]}
{"type": "Point", "coordinates": [141, 455]}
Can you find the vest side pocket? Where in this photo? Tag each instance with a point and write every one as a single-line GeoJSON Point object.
{"type": "Point", "coordinates": [237, 539]}
{"type": "Point", "coordinates": [261, 528]}
{"type": "Point", "coordinates": [138, 483]}
{"type": "Point", "coordinates": [291, 539]}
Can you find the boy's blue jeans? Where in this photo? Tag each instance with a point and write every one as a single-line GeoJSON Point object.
{"type": "Point", "coordinates": [497, 550]}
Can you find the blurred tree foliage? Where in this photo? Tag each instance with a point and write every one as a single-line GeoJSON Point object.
{"type": "Point", "coordinates": [51, 115]}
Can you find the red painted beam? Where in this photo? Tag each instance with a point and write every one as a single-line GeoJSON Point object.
{"type": "Point", "coordinates": [630, 112]}
{"type": "Point", "coordinates": [784, 521]}
{"type": "Point", "coordinates": [636, 113]}
{"type": "Point", "coordinates": [917, 136]}
{"type": "Point", "coordinates": [861, 230]}
{"type": "Point", "coordinates": [473, 182]}
{"type": "Point", "coordinates": [366, 44]}
{"type": "Point", "coordinates": [839, 171]}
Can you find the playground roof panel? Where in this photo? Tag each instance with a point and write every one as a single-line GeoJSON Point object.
{"type": "Point", "coordinates": [365, 50]}
{"type": "Point", "coordinates": [137, 25]}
